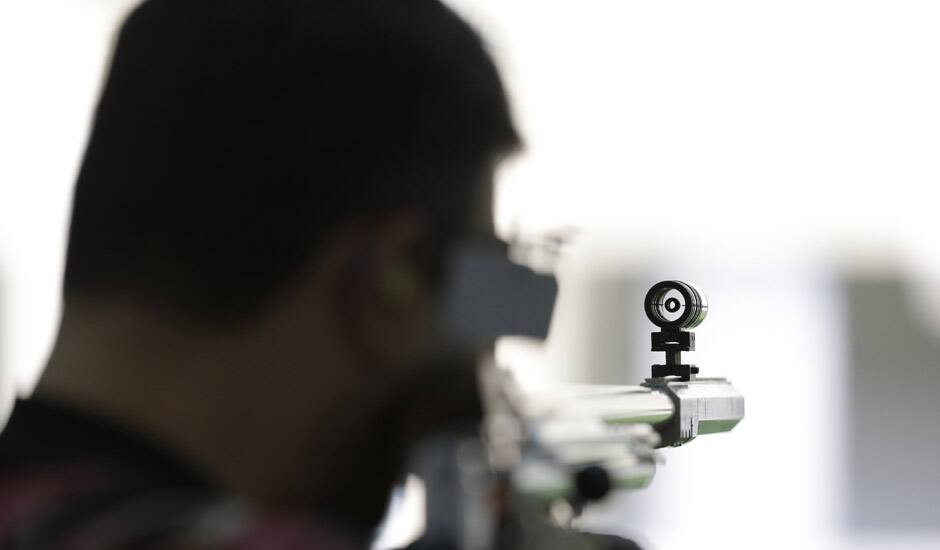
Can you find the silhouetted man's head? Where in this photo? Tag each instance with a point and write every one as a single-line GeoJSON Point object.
{"type": "Point", "coordinates": [260, 227]}
{"type": "Point", "coordinates": [234, 138]}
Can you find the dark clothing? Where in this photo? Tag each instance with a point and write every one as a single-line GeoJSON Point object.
{"type": "Point", "coordinates": [70, 480]}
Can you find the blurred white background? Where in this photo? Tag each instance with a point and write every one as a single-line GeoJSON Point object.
{"type": "Point", "coordinates": [770, 152]}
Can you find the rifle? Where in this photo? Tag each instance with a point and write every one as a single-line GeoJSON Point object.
{"type": "Point", "coordinates": [545, 451]}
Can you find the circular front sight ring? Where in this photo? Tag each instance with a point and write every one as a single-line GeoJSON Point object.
{"type": "Point", "coordinates": [675, 305]}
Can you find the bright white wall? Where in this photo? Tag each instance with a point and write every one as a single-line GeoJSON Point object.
{"type": "Point", "coordinates": [52, 53]}
{"type": "Point", "coordinates": [763, 128]}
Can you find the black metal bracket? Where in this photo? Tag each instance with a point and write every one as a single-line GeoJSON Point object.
{"type": "Point", "coordinates": [673, 342]}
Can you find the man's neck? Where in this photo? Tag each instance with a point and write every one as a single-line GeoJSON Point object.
{"type": "Point", "coordinates": [231, 407]}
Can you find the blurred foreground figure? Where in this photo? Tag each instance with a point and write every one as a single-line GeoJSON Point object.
{"type": "Point", "coordinates": [261, 225]}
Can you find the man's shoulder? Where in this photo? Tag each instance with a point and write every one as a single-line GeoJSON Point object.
{"type": "Point", "coordinates": [70, 480]}
{"type": "Point", "coordinates": [59, 471]}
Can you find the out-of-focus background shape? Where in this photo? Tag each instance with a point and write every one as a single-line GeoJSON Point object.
{"type": "Point", "coordinates": [783, 156]}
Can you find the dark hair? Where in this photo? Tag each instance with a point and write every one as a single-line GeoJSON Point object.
{"type": "Point", "coordinates": [232, 136]}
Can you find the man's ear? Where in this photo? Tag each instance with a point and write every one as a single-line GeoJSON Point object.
{"type": "Point", "coordinates": [395, 301]}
